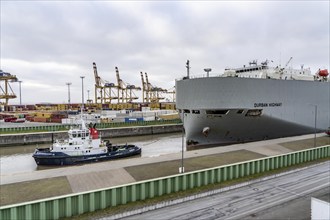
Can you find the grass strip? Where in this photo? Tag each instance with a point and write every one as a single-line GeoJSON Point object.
{"type": "Point", "coordinates": [167, 168]}
{"type": "Point", "coordinates": [33, 190]}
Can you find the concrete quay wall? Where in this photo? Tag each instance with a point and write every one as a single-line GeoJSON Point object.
{"type": "Point", "coordinates": [46, 137]}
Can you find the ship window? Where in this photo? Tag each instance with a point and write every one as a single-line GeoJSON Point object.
{"type": "Point", "coordinates": [240, 111]}
{"type": "Point", "coordinates": [217, 112]}
{"type": "Point", "coordinates": [195, 111]}
{"type": "Point", "coordinates": [186, 111]}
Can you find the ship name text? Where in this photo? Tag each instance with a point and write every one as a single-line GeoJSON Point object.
{"type": "Point", "coordinates": [271, 104]}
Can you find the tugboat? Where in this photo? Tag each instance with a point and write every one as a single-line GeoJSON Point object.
{"type": "Point", "coordinates": [83, 145]}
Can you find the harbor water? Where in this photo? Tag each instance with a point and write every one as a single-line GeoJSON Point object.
{"type": "Point", "coordinates": [17, 159]}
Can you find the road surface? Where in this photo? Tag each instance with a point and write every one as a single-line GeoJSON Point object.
{"type": "Point", "coordinates": [252, 201]}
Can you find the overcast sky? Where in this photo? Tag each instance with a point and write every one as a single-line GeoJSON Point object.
{"type": "Point", "coordinates": [48, 43]}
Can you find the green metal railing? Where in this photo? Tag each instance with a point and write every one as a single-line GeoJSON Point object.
{"type": "Point", "coordinates": [45, 128]}
{"type": "Point", "coordinates": [74, 204]}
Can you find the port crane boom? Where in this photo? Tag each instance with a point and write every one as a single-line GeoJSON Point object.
{"type": "Point", "coordinates": [6, 92]}
{"type": "Point", "coordinates": [125, 91]}
{"type": "Point", "coordinates": [104, 91]}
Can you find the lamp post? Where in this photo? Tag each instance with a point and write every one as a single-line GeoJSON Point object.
{"type": "Point", "coordinates": [315, 125]}
{"type": "Point", "coordinates": [181, 170]}
{"type": "Point", "coordinates": [315, 120]}
{"type": "Point", "coordinates": [20, 93]}
{"type": "Point", "coordinates": [69, 100]}
{"type": "Point", "coordinates": [88, 100]}
{"type": "Point", "coordinates": [82, 92]}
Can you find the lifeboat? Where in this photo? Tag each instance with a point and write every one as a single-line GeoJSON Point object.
{"type": "Point", "coordinates": [323, 73]}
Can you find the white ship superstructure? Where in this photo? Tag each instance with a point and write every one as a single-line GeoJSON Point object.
{"type": "Point", "coordinates": [254, 102]}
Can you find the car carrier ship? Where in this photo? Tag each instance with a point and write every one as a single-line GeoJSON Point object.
{"type": "Point", "coordinates": [254, 102]}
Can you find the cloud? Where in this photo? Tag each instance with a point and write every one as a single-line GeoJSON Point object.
{"type": "Point", "coordinates": [53, 42]}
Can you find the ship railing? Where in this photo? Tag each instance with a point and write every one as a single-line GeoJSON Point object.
{"type": "Point", "coordinates": [199, 76]}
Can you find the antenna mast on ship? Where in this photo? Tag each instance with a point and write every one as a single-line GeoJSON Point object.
{"type": "Point", "coordinates": [188, 67]}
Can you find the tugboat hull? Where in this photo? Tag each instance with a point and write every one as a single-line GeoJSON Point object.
{"type": "Point", "coordinates": [43, 156]}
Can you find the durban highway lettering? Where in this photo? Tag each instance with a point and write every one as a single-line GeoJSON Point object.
{"type": "Point", "coordinates": [265, 104]}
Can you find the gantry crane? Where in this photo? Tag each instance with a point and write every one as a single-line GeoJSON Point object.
{"type": "Point", "coordinates": [125, 91]}
{"type": "Point", "coordinates": [104, 91]}
{"type": "Point", "coordinates": [6, 92]}
{"type": "Point", "coordinates": [145, 93]}
{"type": "Point", "coordinates": [149, 92]}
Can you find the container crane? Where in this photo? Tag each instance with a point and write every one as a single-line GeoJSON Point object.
{"type": "Point", "coordinates": [125, 91]}
{"type": "Point", "coordinates": [153, 94]}
{"type": "Point", "coordinates": [145, 93]}
{"type": "Point", "coordinates": [121, 87]}
{"type": "Point", "coordinates": [7, 92]}
{"type": "Point", "coordinates": [104, 91]}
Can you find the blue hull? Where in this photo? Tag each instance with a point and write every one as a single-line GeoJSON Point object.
{"type": "Point", "coordinates": [46, 157]}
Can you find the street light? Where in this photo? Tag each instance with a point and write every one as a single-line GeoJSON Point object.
{"type": "Point", "coordinates": [181, 169]}
{"type": "Point", "coordinates": [82, 91]}
{"type": "Point", "coordinates": [20, 94]}
{"type": "Point", "coordinates": [68, 84]}
{"type": "Point", "coordinates": [315, 125]}
{"type": "Point", "coordinates": [88, 101]}
{"type": "Point", "coordinates": [315, 119]}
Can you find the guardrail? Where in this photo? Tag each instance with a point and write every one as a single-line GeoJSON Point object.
{"type": "Point", "coordinates": [63, 127]}
{"type": "Point", "coordinates": [79, 203]}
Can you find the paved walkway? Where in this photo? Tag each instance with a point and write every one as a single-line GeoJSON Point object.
{"type": "Point", "coordinates": [97, 180]}
{"type": "Point", "coordinates": [111, 173]}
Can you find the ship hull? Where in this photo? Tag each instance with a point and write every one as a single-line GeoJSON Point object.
{"type": "Point", "coordinates": [227, 110]}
